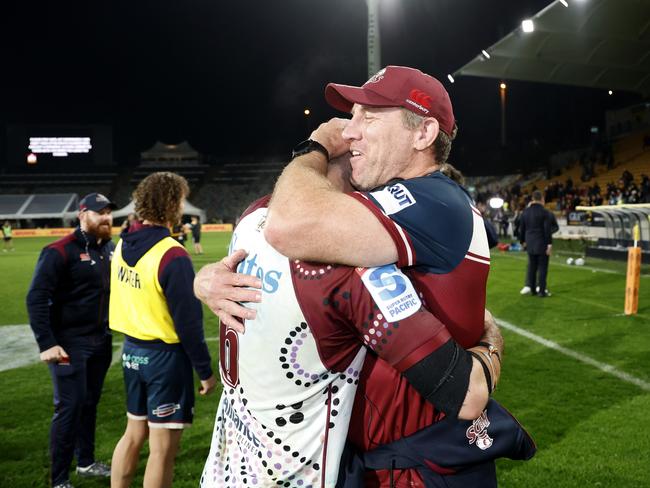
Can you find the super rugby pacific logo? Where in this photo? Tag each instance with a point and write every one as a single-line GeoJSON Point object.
{"type": "Point", "coordinates": [392, 291]}
{"type": "Point", "coordinates": [420, 100]}
{"type": "Point", "coordinates": [477, 432]}
{"type": "Point", "coordinates": [166, 409]}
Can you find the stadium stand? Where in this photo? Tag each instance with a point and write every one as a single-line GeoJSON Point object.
{"type": "Point", "coordinates": [39, 206]}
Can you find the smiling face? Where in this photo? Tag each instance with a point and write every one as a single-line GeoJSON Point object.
{"type": "Point", "coordinates": [97, 224]}
{"type": "Point", "coordinates": [381, 145]}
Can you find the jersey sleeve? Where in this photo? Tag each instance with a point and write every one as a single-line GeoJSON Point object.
{"type": "Point", "coordinates": [176, 276]}
{"type": "Point", "coordinates": [376, 307]}
{"type": "Point", "coordinates": [430, 220]}
{"type": "Point", "coordinates": [49, 271]}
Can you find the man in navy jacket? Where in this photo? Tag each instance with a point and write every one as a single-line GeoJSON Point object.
{"type": "Point", "coordinates": [67, 304]}
{"type": "Point", "coordinates": [535, 232]}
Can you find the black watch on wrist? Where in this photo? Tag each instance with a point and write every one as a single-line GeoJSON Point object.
{"type": "Point", "coordinates": [308, 146]}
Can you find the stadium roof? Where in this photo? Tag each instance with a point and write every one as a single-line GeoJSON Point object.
{"type": "Point", "coordinates": [41, 206]}
{"type": "Point", "coordinates": [592, 43]}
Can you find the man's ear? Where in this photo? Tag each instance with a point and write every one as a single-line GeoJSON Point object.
{"type": "Point", "coordinates": [426, 134]}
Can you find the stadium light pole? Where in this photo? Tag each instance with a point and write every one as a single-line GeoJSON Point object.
{"type": "Point", "coordinates": [374, 42]}
{"type": "Point", "coordinates": [502, 95]}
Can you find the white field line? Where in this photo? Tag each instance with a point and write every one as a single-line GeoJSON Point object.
{"type": "Point", "coordinates": [628, 378]}
{"type": "Point", "coordinates": [572, 266]}
{"type": "Point", "coordinates": [19, 347]}
{"type": "Point", "coordinates": [20, 350]}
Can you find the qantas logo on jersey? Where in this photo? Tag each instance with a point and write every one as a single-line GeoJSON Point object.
{"type": "Point", "coordinates": [393, 198]}
{"type": "Point", "coordinates": [270, 277]}
{"type": "Point", "coordinates": [392, 291]}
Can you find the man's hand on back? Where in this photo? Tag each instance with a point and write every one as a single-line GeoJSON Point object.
{"type": "Point", "coordinates": [220, 288]}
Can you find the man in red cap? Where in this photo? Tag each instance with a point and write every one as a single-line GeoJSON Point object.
{"type": "Point", "coordinates": [407, 212]}
{"type": "Point", "coordinates": [68, 312]}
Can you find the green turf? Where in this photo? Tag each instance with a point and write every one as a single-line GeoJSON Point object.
{"type": "Point", "coordinates": [590, 427]}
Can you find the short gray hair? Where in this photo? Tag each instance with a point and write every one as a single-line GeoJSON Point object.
{"type": "Point", "coordinates": [442, 144]}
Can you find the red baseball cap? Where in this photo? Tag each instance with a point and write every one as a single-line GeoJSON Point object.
{"type": "Point", "coordinates": [397, 86]}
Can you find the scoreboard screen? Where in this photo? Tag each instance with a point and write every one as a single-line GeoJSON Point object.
{"type": "Point", "coordinates": [59, 145]}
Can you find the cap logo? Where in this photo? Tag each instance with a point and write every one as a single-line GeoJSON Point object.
{"type": "Point", "coordinates": [101, 198]}
{"type": "Point", "coordinates": [420, 100]}
{"type": "Point", "coordinates": [377, 76]}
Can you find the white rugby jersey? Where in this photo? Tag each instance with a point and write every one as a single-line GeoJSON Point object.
{"type": "Point", "coordinates": [290, 380]}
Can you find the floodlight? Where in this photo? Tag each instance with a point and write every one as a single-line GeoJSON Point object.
{"type": "Point", "coordinates": [496, 202]}
{"type": "Point", "coordinates": [610, 92]}
{"type": "Point", "coordinates": [503, 86]}
{"type": "Point", "coordinates": [527, 25]}
{"type": "Point", "coordinates": [486, 54]}
{"type": "Point", "coordinates": [32, 159]}
{"type": "Point", "coordinates": [451, 78]}
{"type": "Point", "coordinates": [307, 111]}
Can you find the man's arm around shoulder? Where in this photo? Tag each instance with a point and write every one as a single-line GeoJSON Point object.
{"type": "Point", "coordinates": [311, 220]}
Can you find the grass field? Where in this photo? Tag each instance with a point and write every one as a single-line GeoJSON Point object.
{"type": "Point", "coordinates": [586, 406]}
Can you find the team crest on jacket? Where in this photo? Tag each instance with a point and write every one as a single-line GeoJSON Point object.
{"type": "Point", "coordinates": [478, 433]}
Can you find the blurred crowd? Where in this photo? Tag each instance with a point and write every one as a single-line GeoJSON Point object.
{"type": "Point", "coordinates": [563, 198]}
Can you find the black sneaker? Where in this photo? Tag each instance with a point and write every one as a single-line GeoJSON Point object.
{"type": "Point", "coordinates": [544, 294]}
{"type": "Point", "coordinates": [96, 470]}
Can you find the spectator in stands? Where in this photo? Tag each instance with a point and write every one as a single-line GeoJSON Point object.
{"type": "Point", "coordinates": [68, 312]}
{"type": "Point", "coordinates": [516, 221]}
{"type": "Point", "coordinates": [195, 227]}
{"type": "Point", "coordinates": [153, 305]}
{"type": "Point", "coordinates": [504, 222]}
{"type": "Point", "coordinates": [535, 233]}
{"type": "Point", "coordinates": [645, 189]}
{"type": "Point", "coordinates": [492, 236]}
{"type": "Point", "coordinates": [627, 177]}
{"type": "Point", "coordinates": [7, 237]}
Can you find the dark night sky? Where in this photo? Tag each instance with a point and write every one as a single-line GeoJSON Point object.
{"type": "Point", "coordinates": [234, 77]}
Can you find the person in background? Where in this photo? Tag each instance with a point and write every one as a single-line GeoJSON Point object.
{"type": "Point", "coordinates": [7, 237]}
{"type": "Point", "coordinates": [492, 236]}
{"type": "Point", "coordinates": [536, 227]}
{"type": "Point", "coordinates": [131, 219]}
{"type": "Point", "coordinates": [153, 305]}
{"type": "Point", "coordinates": [196, 235]}
{"type": "Point", "coordinates": [67, 304]}
{"type": "Point", "coordinates": [178, 233]}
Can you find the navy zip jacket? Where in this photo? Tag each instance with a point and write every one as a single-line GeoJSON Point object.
{"type": "Point", "coordinates": [536, 228]}
{"type": "Point", "coordinates": [176, 276]}
{"type": "Point", "coordinates": [68, 297]}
